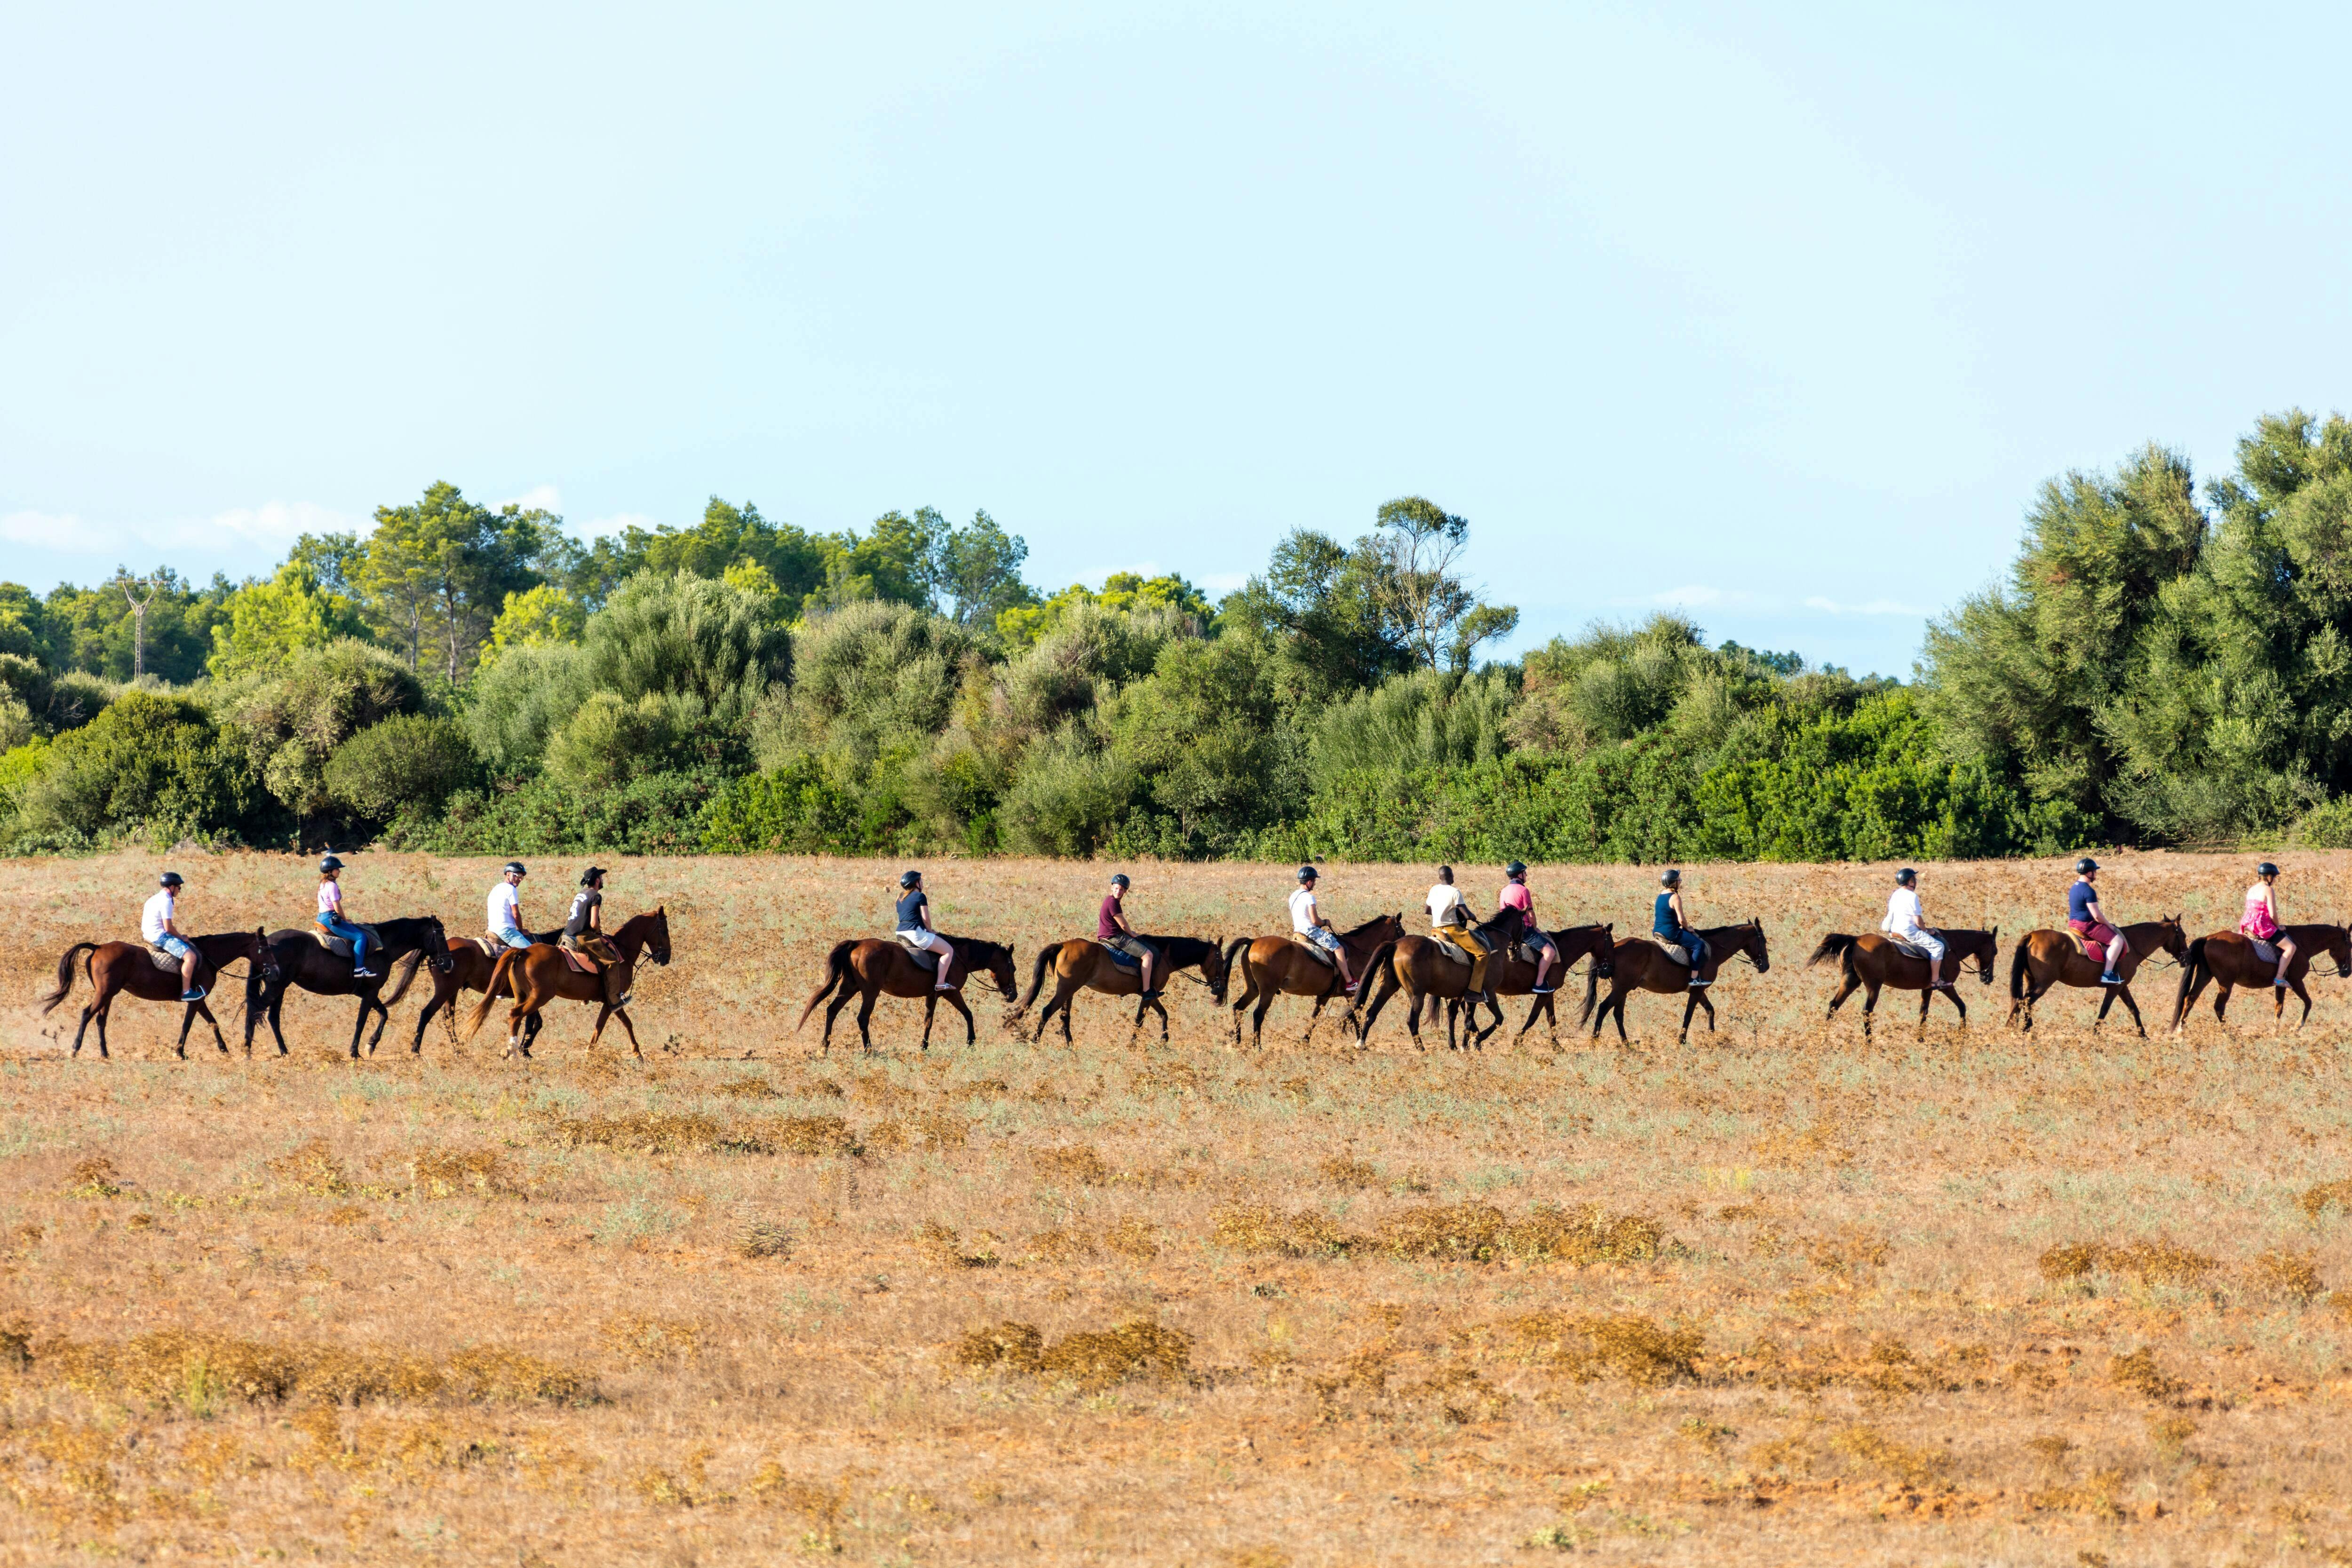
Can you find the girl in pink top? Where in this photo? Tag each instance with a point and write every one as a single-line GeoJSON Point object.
{"type": "Point", "coordinates": [2260, 921]}
{"type": "Point", "coordinates": [1515, 896]}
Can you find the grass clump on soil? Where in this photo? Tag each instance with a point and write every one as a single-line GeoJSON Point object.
{"type": "Point", "coordinates": [201, 1372]}
{"type": "Point", "coordinates": [1910, 1464]}
{"type": "Point", "coordinates": [1465, 1232]}
{"type": "Point", "coordinates": [2314, 1202]}
{"type": "Point", "coordinates": [312, 1167]}
{"type": "Point", "coordinates": [1078, 1163]}
{"type": "Point", "coordinates": [94, 1177]}
{"type": "Point", "coordinates": [923, 1129]}
{"type": "Point", "coordinates": [1589, 1348]}
{"type": "Point", "coordinates": [446, 1173]}
{"type": "Point", "coordinates": [2286, 1271]}
{"type": "Point", "coordinates": [1093, 1360]}
{"type": "Point", "coordinates": [2138, 1374]}
{"type": "Point", "coordinates": [2159, 1262]}
{"type": "Point", "coordinates": [639, 1338]}
{"type": "Point", "coordinates": [764, 1238]}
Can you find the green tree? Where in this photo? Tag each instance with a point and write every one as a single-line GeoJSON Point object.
{"type": "Point", "coordinates": [409, 763]}
{"type": "Point", "coordinates": [1327, 612]}
{"type": "Point", "coordinates": [1434, 613]}
{"type": "Point", "coordinates": [684, 635]}
{"type": "Point", "coordinates": [151, 766]}
{"type": "Point", "coordinates": [267, 622]}
{"type": "Point", "coordinates": [438, 572]}
{"type": "Point", "coordinates": [975, 573]}
{"type": "Point", "coordinates": [728, 535]}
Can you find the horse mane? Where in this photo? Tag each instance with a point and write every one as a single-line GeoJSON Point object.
{"type": "Point", "coordinates": [406, 926]}
{"type": "Point", "coordinates": [1510, 917]}
{"type": "Point", "coordinates": [642, 919]}
{"type": "Point", "coordinates": [977, 949]}
{"type": "Point", "coordinates": [1368, 925]}
{"type": "Point", "coordinates": [1182, 950]}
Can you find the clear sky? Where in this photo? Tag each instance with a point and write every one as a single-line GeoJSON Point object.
{"type": "Point", "coordinates": [1776, 313]}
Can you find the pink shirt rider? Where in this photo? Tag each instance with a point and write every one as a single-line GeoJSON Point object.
{"type": "Point", "coordinates": [1515, 896]}
{"type": "Point", "coordinates": [330, 899]}
{"type": "Point", "coordinates": [2257, 921]}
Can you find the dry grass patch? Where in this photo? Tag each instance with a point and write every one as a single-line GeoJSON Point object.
{"type": "Point", "coordinates": [1165, 1077]}
{"type": "Point", "coordinates": [924, 1129]}
{"type": "Point", "coordinates": [94, 1177]}
{"type": "Point", "coordinates": [1913, 1466]}
{"type": "Point", "coordinates": [2159, 1262]}
{"type": "Point", "coordinates": [1093, 1360]}
{"type": "Point", "coordinates": [639, 1338]}
{"type": "Point", "coordinates": [312, 1167]}
{"type": "Point", "coordinates": [942, 1247]}
{"type": "Point", "coordinates": [2288, 1272]}
{"type": "Point", "coordinates": [2138, 1374]}
{"type": "Point", "coordinates": [201, 1372]}
{"type": "Point", "coordinates": [447, 1173]}
{"type": "Point", "coordinates": [2315, 1201]}
{"type": "Point", "coordinates": [764, 1238]}
{"type": "Point", "coordinates": [1589, 1348]}
{"type": "Point", "coordinates": [1078, 1163]}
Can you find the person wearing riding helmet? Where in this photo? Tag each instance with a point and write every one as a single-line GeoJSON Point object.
{"type": "Point", "coordinates": [1906, 921]}
{"type": "Point", "coordinates": [1306, 923]}
{"type": "Point", "coordinates": [584, 931]}
{"type": "Point", "coordinates": [2087, 919]}
{"type": "Point", "coordinates": [915, 927]}
{"type": "Point", "coordinates": [1114, 931]}
{"type": "Point", "coordinates": [2261, 921]}
{"type": "Point", "coordinates": [159, 923]}
{"type": "Point", "coordinates": [506, 907]}
{"type": "Point", "coordinates": [1668, 924]}
{"type": "Point", "coordinates": [331, 920]}
{"type": "Point", "coordinates": [1515, 896]}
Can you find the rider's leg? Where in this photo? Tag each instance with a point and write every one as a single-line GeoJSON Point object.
{"type": "Point", "coordinates": [942, 946]}
{"type": "Point", "coordinates": [2116, 951]}
{"type": "Point", "coordinates": [1544, 956]}
{"type": "Point", "coordinates": [1146, 961]}
{"type": "Point", "coordinates": [2286, 956]}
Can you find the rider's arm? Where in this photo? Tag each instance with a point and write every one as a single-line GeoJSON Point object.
{"type": "Point", "coordinates": [1118, 918]}
{"type": "Point", "coordinates": [1674, 903]}
{"type": "Point", "coordinates": [2098, 915]}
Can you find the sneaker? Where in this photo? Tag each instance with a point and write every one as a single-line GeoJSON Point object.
{"type": "Point", "coordinates": [1696, 982]}
{"type": "Point", "coordinates": [624, 1000]}
{"type": "Point", "coordinates": [365, 974]}
{"type": "Point", "coordinates": [2281, 984]}
{"type": "Point", "coordinates": [2111, 979]}
{"type": "Point", "coordinates": [1542, 990]}
{"type": "Point", "coordinates": [196, 995]}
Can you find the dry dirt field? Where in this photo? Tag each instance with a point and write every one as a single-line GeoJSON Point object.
{"type": "Point", "coordinates": [1777, 1296]}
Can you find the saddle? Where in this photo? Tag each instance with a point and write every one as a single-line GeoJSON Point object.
{"type": "Point", "coordinates": [487, 946]}
{"type": "Point", "coordinates": [2265, 951]}
{"type": "Point", "coordinates": [1313, 951]}
{"type": "Point", "coordinates": [165, 962]}
{"type": "Point", "coordinates": [2096, 952]}
{"type": "Point", "coordinates": [1907, 950]}
{"type": "Point", "coordinates": [1123, 960]}
{"type": "Point", "coordinates": [1675, 951]}
{"type": "Point", "coordinates": [340, 948]}
{"type": "Point", "coordinates": [924, 959]}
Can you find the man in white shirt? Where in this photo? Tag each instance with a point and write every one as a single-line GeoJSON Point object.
{"type": "Point", "coordinates": [506, 907]}
{"type": "Point", "coordinates": [159, 922]}
{"type": "Point", "coordinates": [1308, 921]}
{"type": "Point", "coordinates": [1906, 921]}
{"type": "Point", "coordinates": [1452, 919]}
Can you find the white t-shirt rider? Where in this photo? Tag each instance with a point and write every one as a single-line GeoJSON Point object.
{"type": "Point", "coordinates": [1302, 910]}
{"type": "Point", "coordinates": [1444, 898]}
{"type": "Point", "coordinates": [159, 908]}
{"type": "Point", "coordinates": [1905, 918]}
{"type": "Point", "coordinates": [505, 909]}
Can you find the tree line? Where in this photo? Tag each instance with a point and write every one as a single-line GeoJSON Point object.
{"type": "Point", "coordinates": [2162, 665]}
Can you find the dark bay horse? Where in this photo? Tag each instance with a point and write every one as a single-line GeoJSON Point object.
{"type": "Point", "coordinates": [873, 967]}
{"type": "Point", "coordinates": [1514, 976]}
{"type": "Point", "coordinates": [1871, 961]}
{"type": "Point", "coordinates": [2227, 959]}
{"type": "Point", "coordinates": [302, 960]}
{"type": "Point", "coordinates": [1083, 963]}
{"type": "Point", "coordinates": [1272, 966]}
{"type": "Point", "coordinates": [2046, 958]}
{"type": "Point", "coordinates": [1642, 965]}
{"type": "Point", "coordinates": [469, 969]}
{"type": "Point", "coordinates": [540, 974]}
{"type": "Point", "coordinates": [119, 966]}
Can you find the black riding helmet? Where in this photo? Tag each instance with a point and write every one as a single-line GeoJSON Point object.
{"type": "Point", "coordinates": [1120, 880]}
{"type": "Point", "coordinates": [909, 878]}
{"type": "Point", "coordinates": [593, 875]}
{"type": "Point", "coordinates": [168, 880]}
{"type": "Point", "coordinates": [2085, 864]}
{"type": "Point", "coordinates": [517, 866]}
{"type": "Point", "coordinates": [1516, 870]}
{"type": "Point", "coordinates": [2265, 870]}
{"type": "Point", "coordinates": [1670, 878]}
{"type": "Point", "coordinates": [1307, 874]}
{"type": "Point", "coordinates": [1905, 876]}
{"type": "Point", "coordinates": [329, 863]}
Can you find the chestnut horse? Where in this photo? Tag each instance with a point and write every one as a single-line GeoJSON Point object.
{"type": "Point", "coordinates": [1642, 965]}
{"type": "Point", "coordinates": [2227, 959]}
{"type": "Point", "coordinates": [2047, 957]}
{"type": "Point", "coordinates": [1514, 976]}
{"type": "Point", "coordinates": [873, 967]}
{"type": "Point", "coordinates": [1871, 959]}
{"type": "Point", "coordinates": [302, 961]}
{"type": "Point", "coordinates": [1084, 964]}
{"type": "Point", "coordinates": [1272, 966]}
{"type": "Point", "coordinates": [469, 969]}
{"type": "Point", "coordinates": [537, 974]}
{"type": "Point", "coordinates": [119, 966]}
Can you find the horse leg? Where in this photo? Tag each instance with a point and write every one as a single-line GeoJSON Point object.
{"type": "Point", "coordinates": [417, 1046]}
{"type": "Point", "coordinates": [2220, 1001]}
{"type": "Point", "coordinates": [218, 1038]}
{"type": "Point", "coordinates": [187, 1022]}
{"type": "Point", "coordinates": [1869, 1010]}
{"type": "Point", "coordinates": [1690, 1009]}
{"type": "Point", "coordinates": [383, 1016]}
{"type": "Point", "coordinates": [2295, 983]}
{"type": "Point", "coordinates": [971, 1030]}
{"type": "Point", "coordinates": [1955, 994]}
{"type": "Point", "coordinates": [866, 1017]}
{"type": "Point", "coordinates": [1316, 1017]}
{"type": "Point", "coordinates": [1848, 984]}
{"type": "Point", "coordinates": [627, 1028]}
{"type": "Point", "coordinates": [105, 1010]}
{"type": "Point", "coordinates": [2125, 991]}
{"type": "Point", "coordinates": [1257, 1023]}
{"type": "Point", "coordinates": [832, 1012]}
{"type": "Point", "coordinates": [930, 1011]}
{"type": "Point", "coordinates": [277, 1025]}
{"type": "Point", "coordinates": [1412, 1023]}
{"type": "Point", "coordinates": [359, 1023]}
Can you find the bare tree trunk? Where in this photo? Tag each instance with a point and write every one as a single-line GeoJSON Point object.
{"type": "Point", "coordinates": [138, 629]}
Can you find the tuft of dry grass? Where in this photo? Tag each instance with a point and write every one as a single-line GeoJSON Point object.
{"type": "Point", "coordinates": [2287, 1271]}
{"type": "Point", "coordinates": [764, 1238]}
{"type": "Point", "coordinates": [1348, 1173]}
{"type": "Point", "coordinates": [638, 1338]}
{"type": "Point", "coordinates": [201, 1372]}
{"type": "Point", "coordinates": [94, 1177]}
{"type": "Point", "coordinates": [2314, 1200]}
{"type": "Point", "coordinates": [2160, 1262]}
{"type": "Point", "coordinates": [1911, 1464]}
{"type": "Point", "coordinates": [312, 1167]}
{"type": "Point", "coordinates": [1588, 1348]}
{"type": "Point", "coordinates": [1079, 1162]}
{"type": "Point", "coordinates": [921, 1129]}
{"type": "Point", "coordinates": [1093, 1360]}
{"type": "Point", "coordinates": [2138, 1374]}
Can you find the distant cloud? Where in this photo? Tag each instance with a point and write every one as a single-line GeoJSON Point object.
{"type": "Point", "coordinates": [1218, 584]}
{"type": "Point", "coordinates": [597, 527]}
{"type": "Point", "coordinates": [1873, 607]}
{"type": "Point", "coordinates": [273, 525]}
{"type": "Point", "coordinates": [539, 498]}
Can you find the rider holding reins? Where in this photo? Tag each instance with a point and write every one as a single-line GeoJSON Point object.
{"type": "Point", "coordinates": [2088, 920]}
{"type": "Point", "coordinates": [915, 927]}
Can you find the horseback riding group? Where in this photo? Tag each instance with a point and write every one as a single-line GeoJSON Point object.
{"type": "Point", "coordinates": [337, 956]}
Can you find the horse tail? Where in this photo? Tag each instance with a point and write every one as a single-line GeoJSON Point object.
{"type": "Point", "coordinates": [836, 971]}
{"type": "Point", "coordinates": [1834, 945]}
{"type": "Point", "coordinates": [2016, 968]}
{"type": "Point", "coordinates": [474, 1019]}
{"type": "Point", "coordinates": [1237, 962]}
{"type": "Point", "coordinates": [1045, 956]}
{"type": "Point", "coordinates": [407, 974]}
{"type": "Point", "coordinates": [65, 974]}
{"type": "Point", "coordinates": [1372, 969]}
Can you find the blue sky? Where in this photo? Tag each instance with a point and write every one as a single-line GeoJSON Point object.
{"type": "Point", "coordinates": [1780, 318]}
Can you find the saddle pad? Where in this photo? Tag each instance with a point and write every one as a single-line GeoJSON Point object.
{"type": "Point", "coordinates": [2265, 952]}
{"type": "Point", "coordinates": [1313, 951]}
{"type": "Point", "coordinates": [340, 948]}
{"type": "Point", "coordinates": [2096, 952]}
{"type": "Point", "coordinates": [1452, 949]}
{"type": "Point", "coordinates": [1907, 950]}
{"type": "Point", "coordinates": [580, 962]}
{"type": "Point", "coordinates": [488, 947]}
{"type": "Point", "coordinates": [924, 959]}
{"type": "Point", "coordinates": [165, 961]}
{"type": "Point", "coordinates": [1123, 960]}
{"type": "Point", "coordinates": [1680, 954]}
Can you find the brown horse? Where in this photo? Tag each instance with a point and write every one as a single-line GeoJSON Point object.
{"type": "Point", "coordinates": [302, 960]}
{"type": "Point", "coordinates": [1272, 966]}
{"type": "Point", "coordinates": [1871, 959]}
{"type": "Point", "coordinates": [1419, 966]}
{"type": "Point", "coordinates": [1514, 976]}
{"type": "Point", "coordinates": [469, 969]}
{"type": "Point", "coordinates": [118, 966]}
{"type": "Point", "coordinates": [2227, 959]}
{"type": "Point", "coordinates": [2046, 958]}
{"type": "Point", "coordinates": [1642, 965]}
{"type": "Point", "coordinates": [1083, 963]}
{"type": "Point", "coordinates": [874, 966]}
{"type": "Point", "coordinates": [537, 974]}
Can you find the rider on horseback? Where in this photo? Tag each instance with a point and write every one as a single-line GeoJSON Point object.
{"type": "Point", "coordinates": [1666, 923]}
{"type": "Point", "coordinates": [584, 932]}
{"type": "Point", "coordinates": [331, 920]}
{"type": "Point", "coordinates": [1306, 923]}
{"type": "Point", "coordinates": [915, 927]}
{"type": "Point", "coordinates": [1112, 930]}
{"type": "Point", "coordinates": [1906, 921]}
{"type": "Point", "coordinates": [1515, 896]}
{"type": "Point", "coordinates": [506, 907]}
{"type": "Point", "coordinates": [159, 923]}
{"type": "Point", "coordinates": [1451, 919]}
{"type": "Point", "coordinates": [2260, 922]}
{"type": "Point", "coordinates": [2087, 920]}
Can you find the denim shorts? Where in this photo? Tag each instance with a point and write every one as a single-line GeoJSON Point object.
{"type": "Point", "coordinates": [175, 946]}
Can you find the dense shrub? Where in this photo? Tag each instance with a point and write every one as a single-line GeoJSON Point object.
{"type": "Point", "coordinates": [288, 719]}
{"type": "Point", "coordinates": [519, 700]}
{"type": "Point", "coordinates": [149, 766]}
{"type": "Point", "coordinates": [793, 810]}
{"type": "Point", "coordinates": [408, 764]}
{"type": "Point", "coordinates": [610, 739]}
{"type": "Point", "coordinates": [657, 814]}
{"type": "Point", "coordinates": [684, 635]}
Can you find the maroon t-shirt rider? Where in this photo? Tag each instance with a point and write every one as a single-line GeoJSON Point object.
{"type": "Point", "coordinates": [1106, 923]}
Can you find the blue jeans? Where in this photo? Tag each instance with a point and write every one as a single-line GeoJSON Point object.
{"type": "Point", "coordinates": [512, 937]}
{"type": "Point", "coordinates": [175, 946]}
{"type": "Point", "coordinates": [335, 925]}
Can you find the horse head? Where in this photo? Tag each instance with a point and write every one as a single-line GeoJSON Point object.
{"type": "Point", "coordinates": [264, 957]}
{"type": "Point", "coordinates": [2339, 948]}
{"type": "Point", "coordinates": [436, 951]}
{"type": "Point", "coordinates": [2175, 939]}
{"type": "Point", "coordinates": [1752, 945]}
{"type": "Point", "coordinates": [658, 938]}
{"type": "Point", "coordinates": [998, 962]}
{"type": "Point", "coordinates": [1987, 954]}
{"type": "Point", "coordinates": [1216, 969]}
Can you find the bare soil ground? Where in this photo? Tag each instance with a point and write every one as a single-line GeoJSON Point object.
{"type": "Point", "coordinates": [1777, 1296]}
